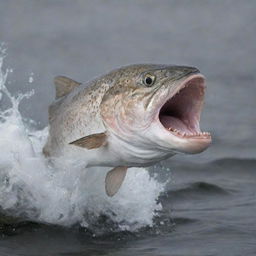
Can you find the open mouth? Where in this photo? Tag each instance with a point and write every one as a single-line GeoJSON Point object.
{"type": "Point", "coordinates": [180, 115]}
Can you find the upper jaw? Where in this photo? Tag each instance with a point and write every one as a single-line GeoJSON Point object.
{"type": "Point", "coordinates": [179, 113]}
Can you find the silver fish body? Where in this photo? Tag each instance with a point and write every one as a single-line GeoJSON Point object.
{"type": "Point", "coordinates": [133, 116]}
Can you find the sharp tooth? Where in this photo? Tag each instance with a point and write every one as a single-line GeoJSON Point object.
{"type": "Point", "coordinates": [204, 134]}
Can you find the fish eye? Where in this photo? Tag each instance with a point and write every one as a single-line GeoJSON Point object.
{"type": "Point", "coordinates": [149, 80]}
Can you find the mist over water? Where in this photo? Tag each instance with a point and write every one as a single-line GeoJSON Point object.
{"type": "Point", "coordinates": [63, 192]}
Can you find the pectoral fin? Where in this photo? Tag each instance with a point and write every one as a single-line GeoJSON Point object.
{"type": "Point", "coordinates": [92, 141]}
{"type": "Point", "coordinates": [114, 180]}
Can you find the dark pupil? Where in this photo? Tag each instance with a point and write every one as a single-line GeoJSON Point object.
{"type": "Point", "coordinates": [148, 80]}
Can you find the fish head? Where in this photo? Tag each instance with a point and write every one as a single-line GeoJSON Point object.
{"type": "Point", "coordinates": [157, 107]}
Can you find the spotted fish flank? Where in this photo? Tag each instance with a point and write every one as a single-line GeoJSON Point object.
{"type": "Point", "coordinates": [133, 116]}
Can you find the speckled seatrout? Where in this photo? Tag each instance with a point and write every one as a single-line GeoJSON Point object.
{"type": "Point", "coordinates": [133, 116]}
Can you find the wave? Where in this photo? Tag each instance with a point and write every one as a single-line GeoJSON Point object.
{"type": "Point", "coordinates": [248, 163]}
{"type": "Point", "coordinates": [194, 190]}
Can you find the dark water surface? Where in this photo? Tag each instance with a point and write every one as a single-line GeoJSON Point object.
{"type": "Point", "coordinates": [209, 206]}
{"type": "Point", "coordinates": [208, 209]}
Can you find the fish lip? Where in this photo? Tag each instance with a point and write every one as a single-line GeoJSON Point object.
{"type": "Point", "coordinates": [196, 80]}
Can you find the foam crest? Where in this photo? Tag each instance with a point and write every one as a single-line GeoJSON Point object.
{"type": "Point", "coordinates": [65, 193]}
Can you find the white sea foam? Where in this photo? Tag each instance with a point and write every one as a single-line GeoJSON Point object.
{"type": "Point", "coordinates": [66, 193]}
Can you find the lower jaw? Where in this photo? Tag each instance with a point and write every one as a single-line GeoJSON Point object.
{"type": "Point", "coordinates": [193, 135]}
{"type": "Point", "coordinates": [169, 142]}
{"type": "Point", "coordinates": [193, 145]}
{"type": "Point", "coordinates": [190, 142]}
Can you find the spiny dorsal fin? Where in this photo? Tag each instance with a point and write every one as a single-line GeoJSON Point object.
{"type": "Point", "coordinates": [92, 141]}
{"type": "Point", "coordinates": [64, 85]}
{"type": "Point", "coordinates": [114, 180]}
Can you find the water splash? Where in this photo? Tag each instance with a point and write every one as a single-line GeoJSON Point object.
{"type": "Point", "coordinates": [63, 194]}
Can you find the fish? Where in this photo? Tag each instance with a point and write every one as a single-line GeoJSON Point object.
{"type": "Point", "coordinates": [133, 116]}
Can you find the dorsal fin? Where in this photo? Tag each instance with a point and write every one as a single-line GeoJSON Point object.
{"type": "Point", "coordinates": [64, 85]}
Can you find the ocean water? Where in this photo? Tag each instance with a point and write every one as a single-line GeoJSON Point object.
{"type": "Point", "coordinates": [189, 205]}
